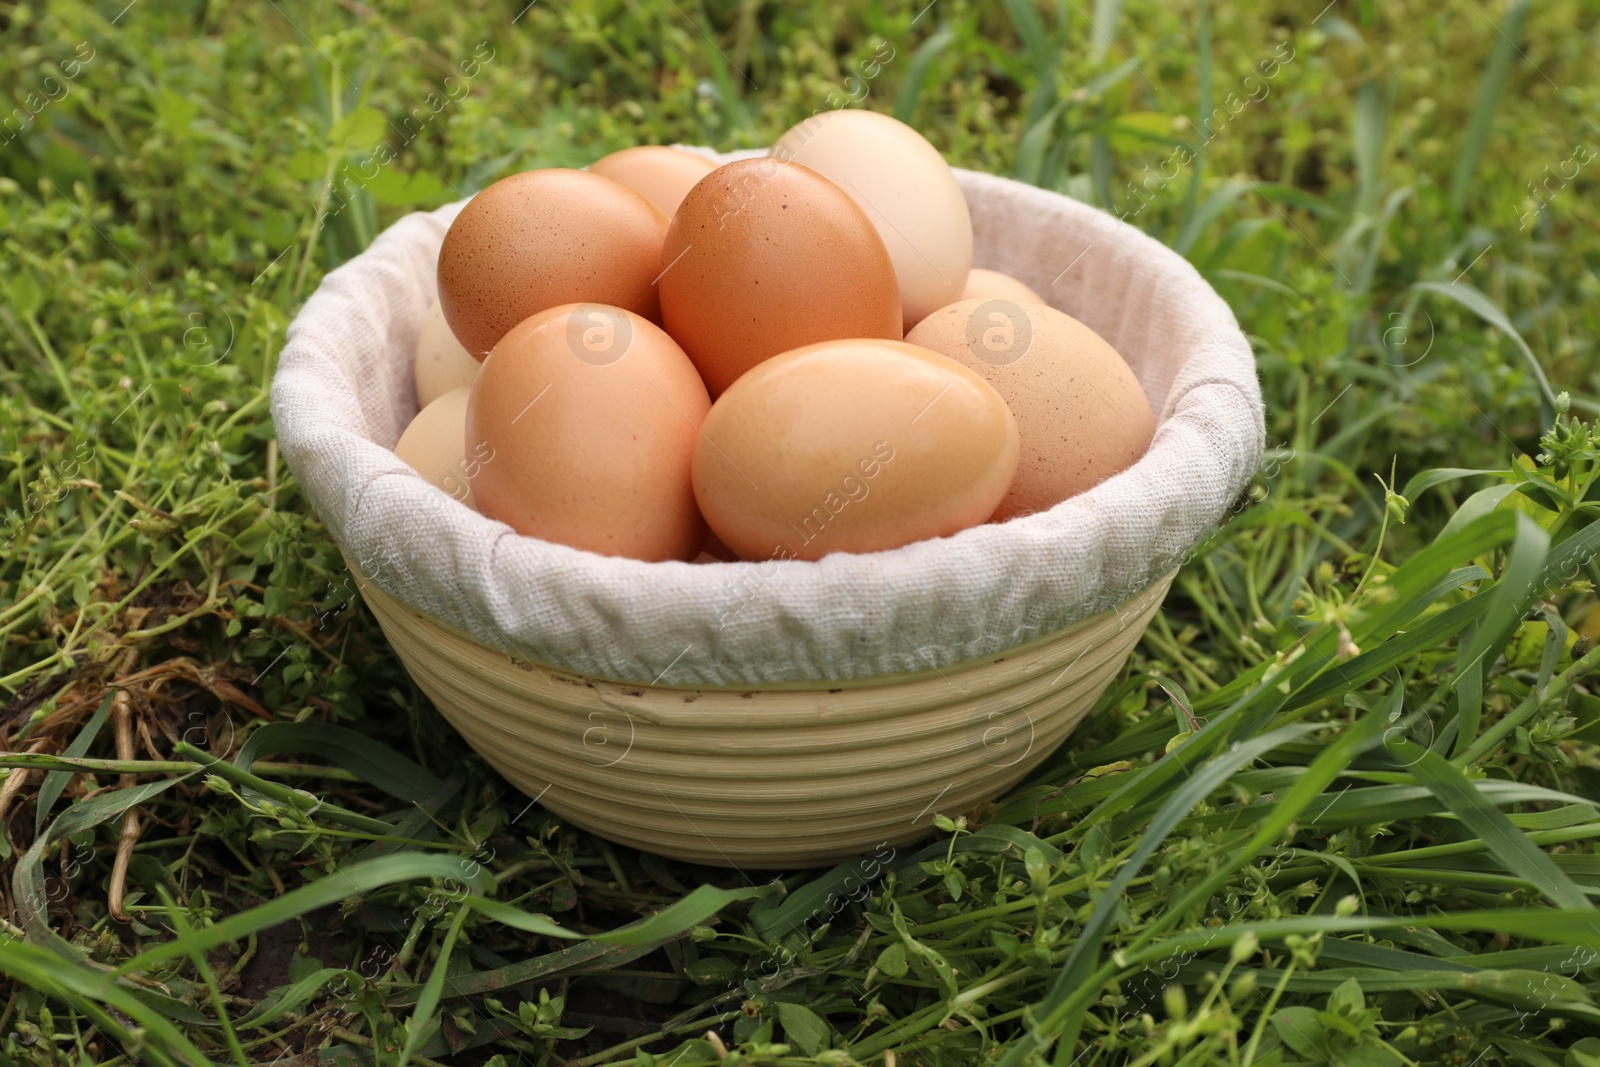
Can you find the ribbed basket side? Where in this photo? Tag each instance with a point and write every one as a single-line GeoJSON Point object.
{"type": "Point", "coordinates": [768, 778]}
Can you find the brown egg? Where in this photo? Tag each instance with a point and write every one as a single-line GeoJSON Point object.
{"type": "Point", "coordinates": [435, 446]}
{"type": "Point", "coordinates": [852, 446]}
{"type": "Point", "coordinates": [1081, 412]}
{"type": "Point", "coordinates": [661, 175]}
{"type": "Point", "coordinates": [543, 238]}
{"type": "Point", "coordinates": [592, 413]}
{"type": "Point", "coordinates": [985, 284]}
{"type": "Point", "coordinates": [765, 256]}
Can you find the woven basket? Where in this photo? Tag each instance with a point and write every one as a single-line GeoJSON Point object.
{"type": "Point", "coordinates": [794, 737]}
{"type": "Point", "coordinates": [779, 777]}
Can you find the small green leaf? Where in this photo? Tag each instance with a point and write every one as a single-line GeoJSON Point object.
{"type": "Point", "coordinates": [362, 128]}
{"type": "Point", "coordinates": [1584, 1053]}
{"type": "Point", "coordinates": [1347, 997]}
{"type": "Point", "coordinates": [803, 1027]}
{"type": "Point", "coordinates": [25, 295]}
{"type": "Point", "coordinates": [1301, 1030]}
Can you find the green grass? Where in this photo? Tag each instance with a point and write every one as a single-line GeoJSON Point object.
{"type": "Point", "coordinates": [1378, 846]}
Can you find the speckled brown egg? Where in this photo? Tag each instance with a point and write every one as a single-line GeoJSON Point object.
{"type": "Point", "coordinates": [660, 174]}
{"type": "Point", "coordinates": [852, 446]}
{"type": "Point", "coordinates": [765, 256]}
{"type": "Point", "coordinates": [592, 414]}
{"type": "Point", "coordinates": [1081, 412]}
{"type": "Point", "coordinates": [543, 238]}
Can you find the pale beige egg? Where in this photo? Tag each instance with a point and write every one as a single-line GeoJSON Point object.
{"type": "Point", "coordinates": [441, 363]}
{"type": "Point", "coordinates": [435, 446]}
{"type": "Point", "coordinates": [1079, 408]}
{"type": "Point", "coordinates": [905, 188]}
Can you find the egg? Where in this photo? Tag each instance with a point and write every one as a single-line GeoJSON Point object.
{"type": "Point", "coordinates": [441, 363]}
{"type": "Point", "coordinates": [907, 190]}
{"type": "Point", "coordinates": [661, 175]}
{"type": "Point", "coordinates": [852, 446]}
{"type": "Point", "coordinates": [592, 413]}
{"type": "Point", "coordinates": [435, 445]}
{"type": "Point", "coordinates": [991, 284]}
{"type": "Point", "coordinates": [1081, 412]}
{"type": "Point", "coordinates": [542, 238]}
{"type": "Point", "coordinates": [765, 256]}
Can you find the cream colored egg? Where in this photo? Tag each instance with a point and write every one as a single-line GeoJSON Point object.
{"type": "Point", "coordinates": [1080, 411]}
{"type": "Point", "coordinates": [992, 285]}
{"type": "Point", "coordinates": [906, 189]}
{"type": "Point", "coordinates": [435, 446]}
{"type": "Point", "coordinates": [442, 363]}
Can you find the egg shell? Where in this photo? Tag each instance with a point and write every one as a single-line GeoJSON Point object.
{"type": "Point", "coordinates": [765, 256]}
{"type": "Point", "coordinates": [906, 189]}
{"type": "Point", "coordinates": [1079, 407]}
{"type": "Point", "coordinates": [592, 412]}
{"type": "Point", "coordinates": [852, 446]}
{"type": "Point", "coordinates": [543, 238]}
{"type": "Point", "coordinates": [441, 363]}
{"type": "Point", "coordinates": [435, 445]}
{"type": "Point", "coordinates": [983, 284]}
{"type": "Point", "coordinates": [661, 175]}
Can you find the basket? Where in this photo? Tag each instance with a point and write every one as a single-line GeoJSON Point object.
{"type": "Point", "coordinates": [786, 777]}
{"type": "Point", "coordinates": [859, 695]}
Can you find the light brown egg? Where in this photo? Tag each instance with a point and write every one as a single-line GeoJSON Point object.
{"type": "Point", "coordinates": [765, 256]}
{"type": "Point", "coordinates": [852, 446]}
{"type": "Point", "coordinates": [543, 238]}
{"type": "Point", "coordinates": [985, 284]}
{"type": "Point", "coordinates": [441, 363]}
{"type": "Point", "coordinates": [435, 446]}
{"type": "Point", "coordinates": [1081, 412]}
{"type": "Point", "coordinates": [661, 175]}
{"type": "Point", "coordinates": [592, 413]}
{"type": "Point", "coordinates": [907, 190]}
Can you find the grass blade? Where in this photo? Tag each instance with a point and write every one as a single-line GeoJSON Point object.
{"type": "Point", "coordinates": [336, 888]}
{"type": "Point", "coordinates": [373, 763]}
{"type": "Point", "coordinates": [905, 104]}
{"type": "Point", "coordinates": [55, 781]}
{"type": "Point", "coordinates": [1103, 31]}
{"type": "Point", "coordinates": [1070, 978]}
{"type": "Point", "coordinates": [423, 1022]}
{"type": "Point", "coordinates": [1490, 88]}
{"type": "Point", "coordinates": [670, 921]}
{"type": "Point", "coordinates": [1509, 845]}
{"type": "Point", "coordinates": [1480, 305]}
{"type": "Point", "coordinates": [86, 990]}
